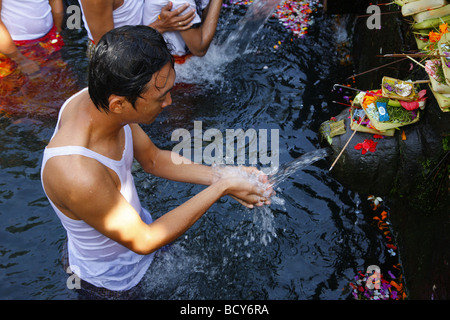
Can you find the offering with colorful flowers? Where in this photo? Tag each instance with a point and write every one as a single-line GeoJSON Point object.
{"type": "Point", "coordinates": [437, 65]}
{"type": "Point", "coordinates": [396, 104]}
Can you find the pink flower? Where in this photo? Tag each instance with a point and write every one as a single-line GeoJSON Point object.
{"type": "Point", "coordinates": [433, 68]}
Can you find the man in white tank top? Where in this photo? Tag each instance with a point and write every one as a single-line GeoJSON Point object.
{"type": "Point", "coordinates": [86, 169]}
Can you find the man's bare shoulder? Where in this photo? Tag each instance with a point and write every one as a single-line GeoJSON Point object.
{"type": "Point", "coordinates": [75, 166]}
{"type": "Point", "coordinates": [72, 122]}
{"type": "Point", "coordinates": [74, 178]}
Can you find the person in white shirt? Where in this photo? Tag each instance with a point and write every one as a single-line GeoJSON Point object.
{"type": "Point", "coordinates": [101, 16]}
{"type": "Point", "coordinates": [28, 21]}
{"type": "Point", "coordinates": [196, 39]}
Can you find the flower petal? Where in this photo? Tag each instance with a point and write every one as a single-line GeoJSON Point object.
{"type": "Point", "coordinates": [413, 105]}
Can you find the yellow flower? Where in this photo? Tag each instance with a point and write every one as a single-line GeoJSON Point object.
{"type": "Point", "coordinates": [443, 28]}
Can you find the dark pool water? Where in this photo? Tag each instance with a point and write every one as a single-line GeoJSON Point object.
{"type": "Point", "coordinates": [309, 244]}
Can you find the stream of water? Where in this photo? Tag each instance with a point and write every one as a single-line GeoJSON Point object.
{"type": "Point", "coordinates": [255, 18]}
{"type": "Point", "coordinates": [209, 69]}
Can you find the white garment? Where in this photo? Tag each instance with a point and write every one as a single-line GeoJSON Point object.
{"type": "Point", "coordinates": [100, 260]}
{"type": "Point", "coordinates": [27, 19]}
{"type": "Point", "coordinates": [152, 8]}
{"type": "Point", "coordinates": [129, 13]}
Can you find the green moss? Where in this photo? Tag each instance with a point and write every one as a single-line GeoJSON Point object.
{"type": "Point", "coordinates": [430, 192]}
{"type": "Point", "coordinates": [446, 143]}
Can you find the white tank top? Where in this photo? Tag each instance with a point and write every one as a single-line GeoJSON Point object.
{"type": "Point", "coordinates": [129, 13]}
{"type": "Point", "coordinates": [27, 19]}
{"type": "Point", "coordinates": [100, 260]}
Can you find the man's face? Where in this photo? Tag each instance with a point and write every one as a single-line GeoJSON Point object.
{"type": "Point", "coordinates": [157, 96]}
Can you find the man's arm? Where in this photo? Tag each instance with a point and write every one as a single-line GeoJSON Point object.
{"type": "Point", "coordinates": [99, 17]}
{"type": "Point", "coordinates": [199, 39]}
{"type": "Point", "coordinates": [172, 166]}
{"type": "Point", "coordinates": [161, 162]}
{"type": "Point", "coordinates": [172, 20]}
{"type": "Point", "coordinates": [58, 13]}
{"type": "Point", "coordinates": [82, 188]}
{"type": "Point", "coordinates": [8, 48]}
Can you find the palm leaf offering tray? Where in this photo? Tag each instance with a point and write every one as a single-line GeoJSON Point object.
{"type": "Point", "coordinates": [436, 74]}
{"type": "Point", "coordinates": [444, 51]}
{"type": "Point", "coordinates": [432, 14]}
{"type": "Point", "coordinates": [443, 100]}
{"type": "Point", "coordinates": [397, 89]}
{"type": "Point", "coordinates": [388, 113]}
{"type": "Point", "coordinates": [410, 8]}
{"type": "Point", "coordinates": [360, 122]}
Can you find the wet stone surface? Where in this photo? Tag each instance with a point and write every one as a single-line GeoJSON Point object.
{"type": "Point", "coordinates": [411, 173]}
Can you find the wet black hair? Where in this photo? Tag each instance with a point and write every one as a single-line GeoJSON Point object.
{"type": "Point", "coordinates": [124, 61]}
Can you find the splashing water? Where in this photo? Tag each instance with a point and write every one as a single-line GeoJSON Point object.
{"type": "Point", "coordinates": [287, 169]}
{"type": "Point", "coordinates": [204, 70]}
{"type": "Point", "coordinates": [263, 217]}
{"type": "Point", "coordinates": [209, 67]}
{"type": "Point", "coordinates": [257, 15]}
